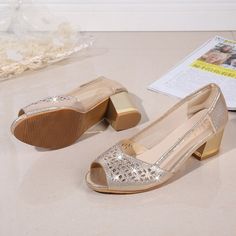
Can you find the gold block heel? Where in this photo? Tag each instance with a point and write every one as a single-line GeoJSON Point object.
{"type": "Point", "coordinates": [210, 148]}
{"type": "Point", "coordinates": [121, 113]}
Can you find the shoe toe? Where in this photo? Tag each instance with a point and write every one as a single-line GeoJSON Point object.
{"type": "Point", "coordinates": [96, 178]}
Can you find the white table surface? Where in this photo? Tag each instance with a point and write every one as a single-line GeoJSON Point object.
{"type": "Point", "coordinates": [44, 192]}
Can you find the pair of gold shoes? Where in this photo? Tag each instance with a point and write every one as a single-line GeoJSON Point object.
{"type": "Point", "coordinates": [195, 125]}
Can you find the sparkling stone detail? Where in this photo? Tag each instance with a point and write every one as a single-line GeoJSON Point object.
{"type": "Point", "coordinates": [122, 169]}
{"type": "Point", "coordinates": [53, 99]}
{"type": "Point", "coordinates": [50, 104]}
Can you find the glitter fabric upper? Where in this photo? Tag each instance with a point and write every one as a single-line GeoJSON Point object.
{"type": "Point", "coordinates": [122, 169]}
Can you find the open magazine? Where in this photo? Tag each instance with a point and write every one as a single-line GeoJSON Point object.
{"type": "Point", "coordinates": [213, 62]}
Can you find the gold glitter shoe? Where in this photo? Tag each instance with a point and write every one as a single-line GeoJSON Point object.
{"type": "Point", "coordinates": [58, 121]}
{"type": "Point", "coordinates": [194, 125]}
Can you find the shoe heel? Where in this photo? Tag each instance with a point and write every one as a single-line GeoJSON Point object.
{"type": "Point", "coordinates": [121, 113]}
{"type": "Point", "coordinates": [210, 148]}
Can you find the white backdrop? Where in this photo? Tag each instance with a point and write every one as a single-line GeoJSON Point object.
{"type": "Point", "coordinates": [147, 15]}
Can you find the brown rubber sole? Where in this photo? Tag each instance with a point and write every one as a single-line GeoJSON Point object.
{"type": "Point", "coordinates": [62, 127]}
{"type": "Point", "coordinates": [57, 129]}
{"type": "Point", "coordinates": [53, 129]}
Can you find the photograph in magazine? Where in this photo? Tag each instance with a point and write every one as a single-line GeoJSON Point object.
{"type": "Point", "coordinates": [222, 54]}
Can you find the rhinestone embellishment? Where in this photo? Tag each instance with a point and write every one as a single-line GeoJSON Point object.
{"type": "Point", "coordinates": [122, 169]}
{"type": "Point", "coordinates": [53, 99]}
{"type": "Point", "coordinates": [48, 104]}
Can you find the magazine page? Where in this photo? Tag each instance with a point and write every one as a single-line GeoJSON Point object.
{"type": "Point", "coordinates": [213, 62]}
